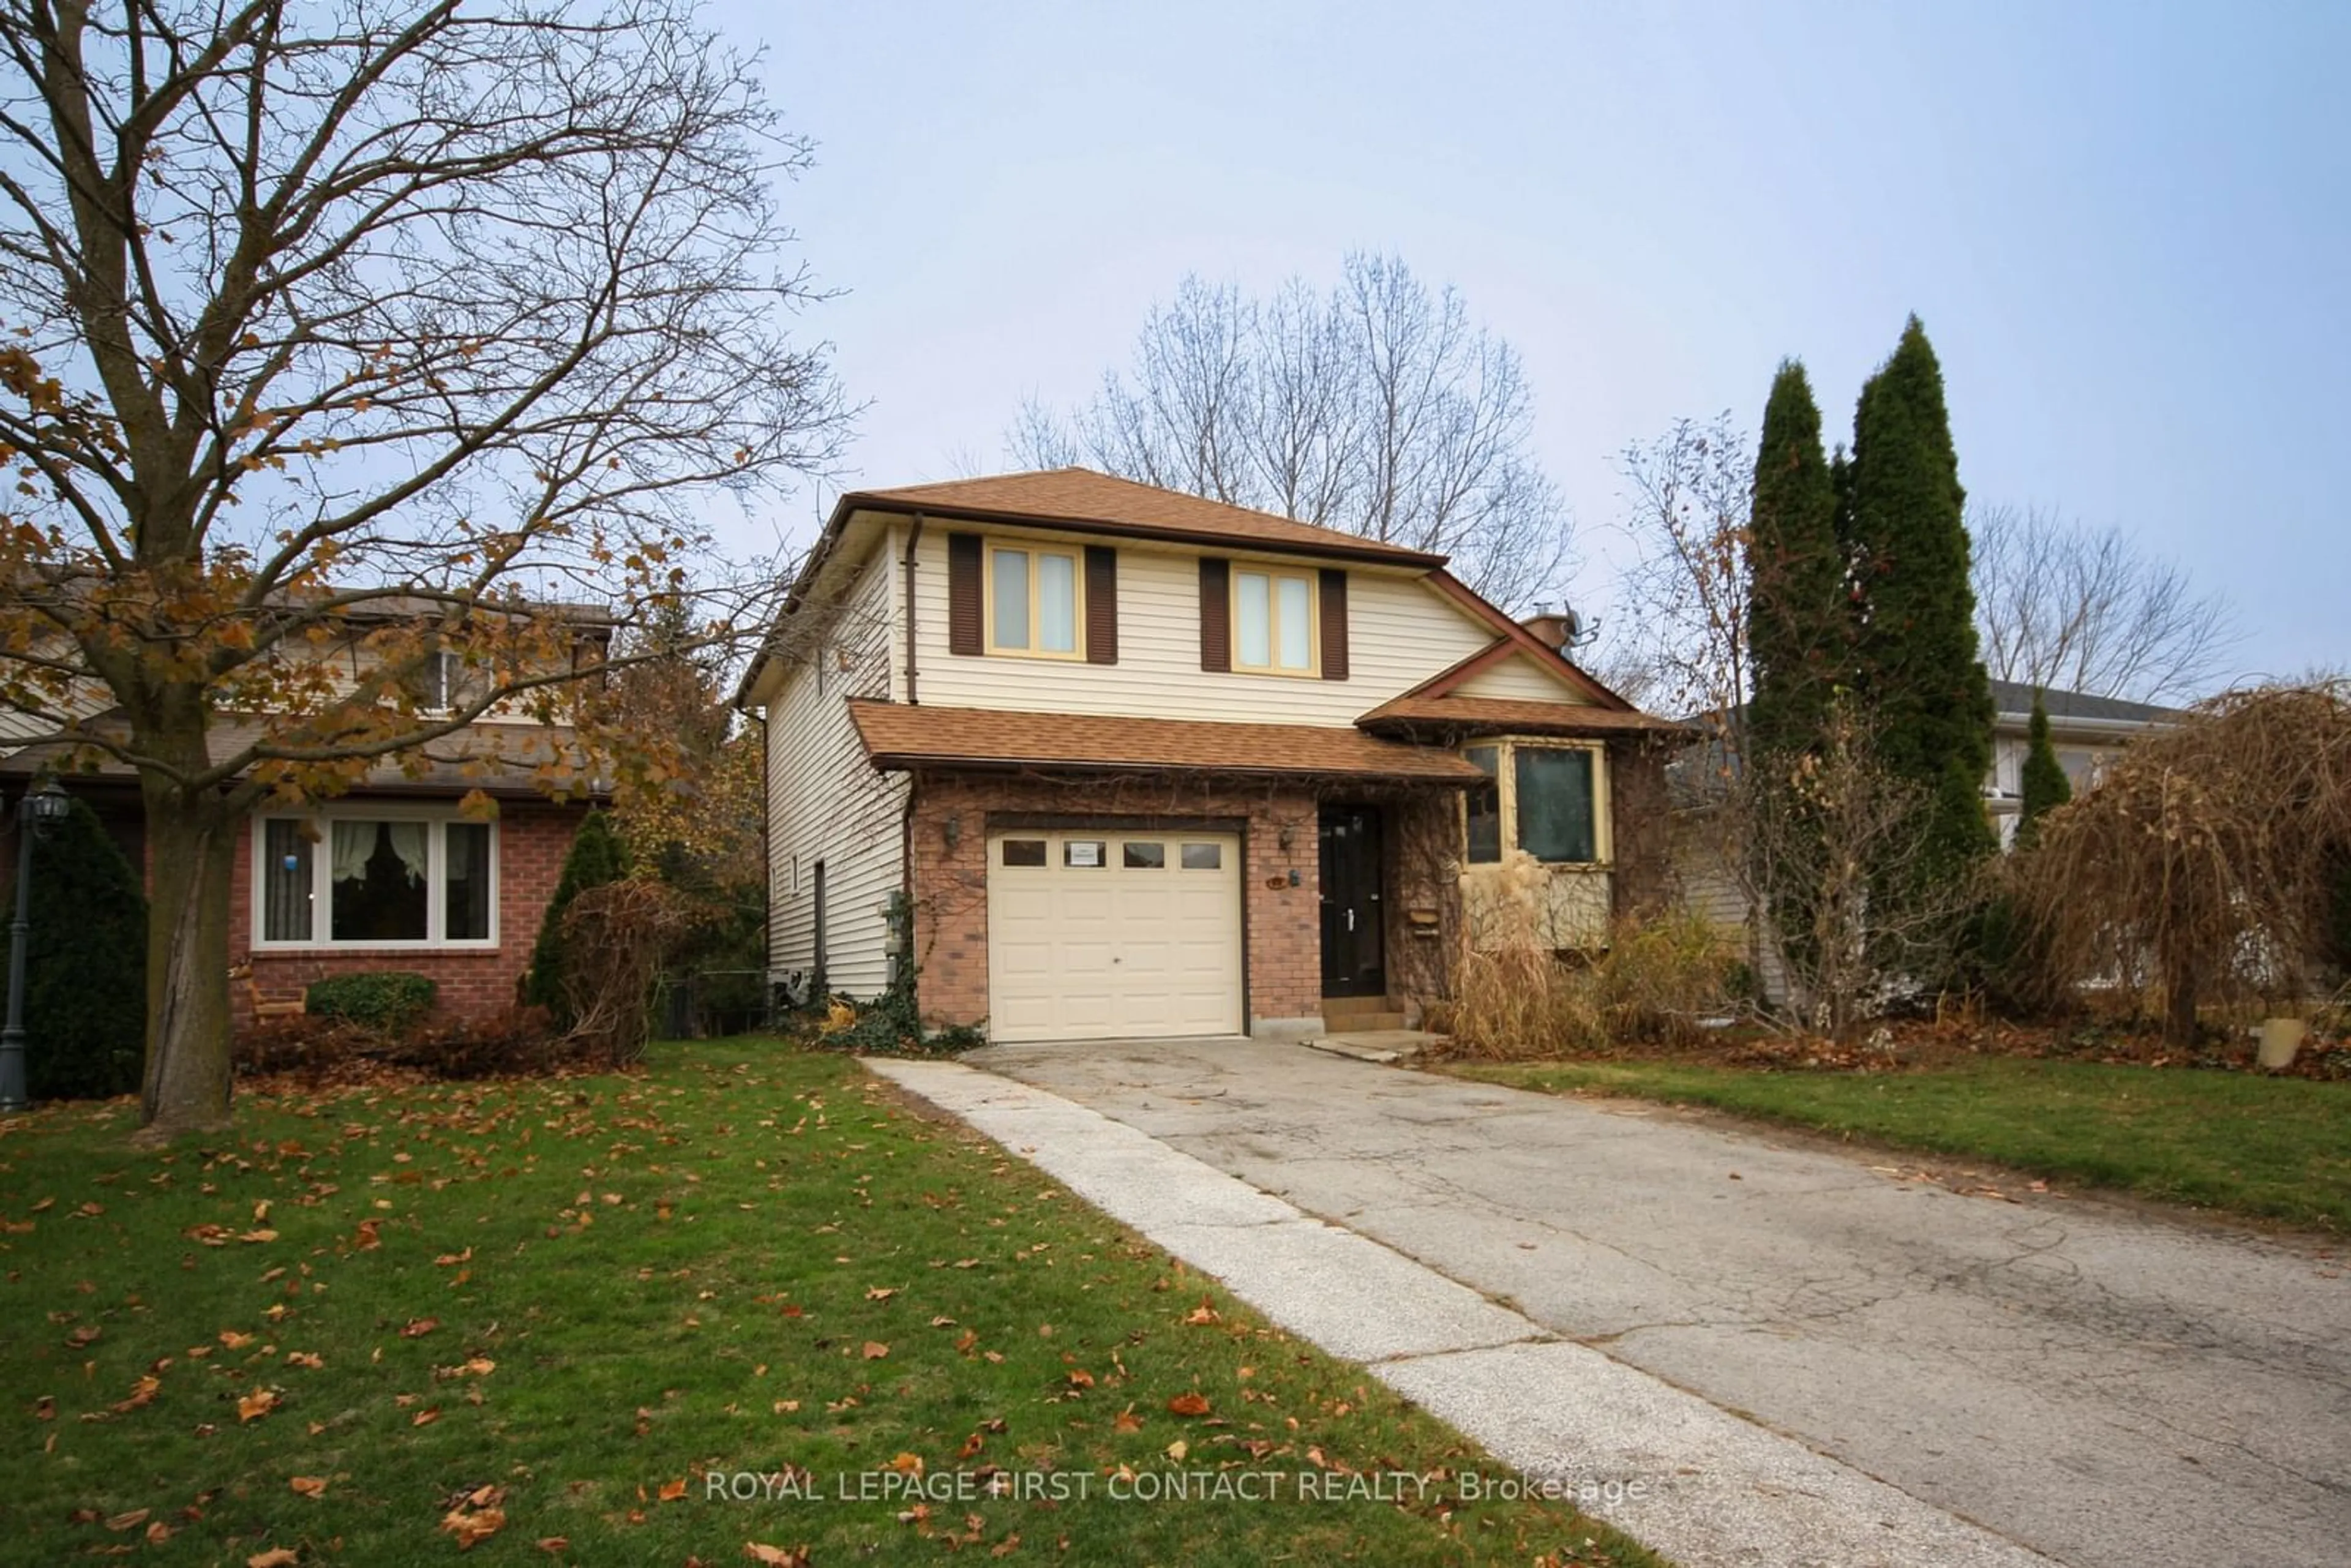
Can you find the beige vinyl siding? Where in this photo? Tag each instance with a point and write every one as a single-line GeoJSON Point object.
{"type": "Point", "coordinates": [1519, 679]}
{"type": "Point", "coordinates": [1400, 632]}
{"type": "Point", "coordinates": [826, 802]}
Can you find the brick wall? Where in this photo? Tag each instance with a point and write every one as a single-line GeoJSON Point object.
{"type": "Point", "coordinates": [949, 872]}
{"type": "Point", "coordinates": [1641, 822]}
{"type": "Point", "coordinates": [533, 838]}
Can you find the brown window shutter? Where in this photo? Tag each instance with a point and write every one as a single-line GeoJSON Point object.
{"type": "Point", "coordinates": [1334, 625]}
{"type": "Point", "coordinates": [1216, 613]}
{"type": "Point", "coordinates": [1102, 605]}
{"type": "Point", "coordinates": [964, 634]}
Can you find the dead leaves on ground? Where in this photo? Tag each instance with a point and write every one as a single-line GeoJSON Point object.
{"type": "Point", "coordinates": [475, 1516]}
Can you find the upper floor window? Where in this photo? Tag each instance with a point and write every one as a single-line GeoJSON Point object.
{"type": "Point", "coordinates": [1273, 622]}
{"type": "Point", "coordinates": [1544, 798]}
{"type": "Point", "coordinates": [1036, 601]}
{"type": "Point", "coordinates": [433, 686]}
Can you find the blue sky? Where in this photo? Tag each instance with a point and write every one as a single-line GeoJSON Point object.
{"type": "Point", "coordinates": [2127, 228]}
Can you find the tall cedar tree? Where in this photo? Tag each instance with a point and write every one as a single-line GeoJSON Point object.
{"type": "Point", "coordinates": [596, 856]}
{"type": "Point", "coordinates": [1916, 665]}
{"type": "Point", "coordinates": [1799, 632]}
{"type": "Point", "coordinates": [2045, 786]}
{"type": "Point", "coordinates": [85, 965]}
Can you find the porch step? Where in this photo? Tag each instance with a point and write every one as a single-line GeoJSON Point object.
{"type": "Point", "coordinates": [1360, 1015]}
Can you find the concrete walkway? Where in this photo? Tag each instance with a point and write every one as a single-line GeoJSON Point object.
{"type": "Point", "coordinates": [1816, 1360]}
{"type": "Point", "coordinates": [1715, 1490]}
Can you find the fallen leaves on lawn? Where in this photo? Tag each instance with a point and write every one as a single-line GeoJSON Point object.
{"type": "Point", "coordinates": [1126, 1420]}
{"type": "Point", "coordinates": [309, 1486]}
{"type": "Point", "coordinates": [275, 1557]}
{"type": "Point", "coordinates": [1193, 1404]}
{"type": "Point", "coordinates": [1200, 1315]}
{"type": "Point", "coordinates": [256, 1405]}
{"type": "Point", "coordinates": [875, 1350]}
{"type": "Point", "coordinates": [475, 1516]}
{"type": "Point", "coordinates": [419, 1327]}
{"type": "Point", "coordinates": [777, 1556]}
{"type": "Point", "coordinates": [671, 1492]}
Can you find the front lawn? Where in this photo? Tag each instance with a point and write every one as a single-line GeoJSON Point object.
{"type": "Point", "coordinates": [551, 1318]}
{"type": "Point", "coordinates": [2277, 1147]}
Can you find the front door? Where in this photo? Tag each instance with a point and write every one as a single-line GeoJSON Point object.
{"type": "Point", "coordinates": [1353, 960]}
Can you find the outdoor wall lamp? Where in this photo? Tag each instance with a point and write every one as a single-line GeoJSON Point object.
{"type": "Point", "coordinates": [36, 810]}
{"type": "Point", "coordinates": [1283, 837]}
{"type": "Point", "coordinates": [951, 830]}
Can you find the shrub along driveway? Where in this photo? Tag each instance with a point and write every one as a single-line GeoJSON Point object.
{"type": "Point", "coordinates": [2109, 1388]}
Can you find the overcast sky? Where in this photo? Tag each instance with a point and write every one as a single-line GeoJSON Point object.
{"type": "Point", "coordinates": [2127, 228]}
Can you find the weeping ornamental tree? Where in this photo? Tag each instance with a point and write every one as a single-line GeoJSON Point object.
{"type": "Point", "coordinates": [2206, 862]}
{"type": "Point", "coordinates": [339, 338]}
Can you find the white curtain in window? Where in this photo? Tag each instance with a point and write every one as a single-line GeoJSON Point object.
{"type": "Point", "coordinates": [354, 843]}
{"type": "Point", "coordinates": [1256, 627]}
{"type": "Point", "coordinates": [408, 843]}
{"type": "Point", "coordinates": [1295, 620]}
{"type": "Point", "coordinates": [1057, 604]}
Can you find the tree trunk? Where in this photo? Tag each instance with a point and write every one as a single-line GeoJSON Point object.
{"type": "Point", "coordinates": [190, 847]}
{"type": "Point", "coordinates": [2181, 984]}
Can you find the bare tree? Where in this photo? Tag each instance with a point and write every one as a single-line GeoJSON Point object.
{"type": "Point", "coordinates": [2068, 608]}
{"type": "Point", "coordinates": [1379, 407]}
{"type": "Point", "coordinates": [338, 326]}
{"type": "Point", "coordinates": [1685, 637]}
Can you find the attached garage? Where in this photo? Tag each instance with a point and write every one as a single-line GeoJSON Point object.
{"type": "Point", "coordinates": [1110, 934]}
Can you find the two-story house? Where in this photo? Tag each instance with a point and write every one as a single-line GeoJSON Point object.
{"type": "Point", "coordinates": [1142, 764]}
{"type": "Point", "coordinates": [395, 873]}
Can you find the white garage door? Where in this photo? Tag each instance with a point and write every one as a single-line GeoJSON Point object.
{"type": "Point", "coordinates": [1114, 936]}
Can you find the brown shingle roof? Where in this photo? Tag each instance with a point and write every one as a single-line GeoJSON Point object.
{"type": "Point", "coordinates": [1414, 711]}
{"type": "Point", "coordinates": [1083, 499]}
{"type": "Point", "coordinates": [898, 736]}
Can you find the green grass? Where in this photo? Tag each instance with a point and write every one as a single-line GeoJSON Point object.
{"type": "Point", "coordinates": [745, 1258]}
{"type": "Point", "coordinates": [2275, 1148]}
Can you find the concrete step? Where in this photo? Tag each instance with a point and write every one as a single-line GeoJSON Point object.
{"type": "Point", "coordinates": [1362, 1022]}
{"type": "Point", "coordinates": [1337, 1007]}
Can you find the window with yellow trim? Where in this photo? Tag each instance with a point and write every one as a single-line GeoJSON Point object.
{"type": "Point", "coordinates": [1546, 799]}
{"type": "Point", "coordinates": [1036, 601]}
{"type": "Point", "coordinates": [1273, 622]}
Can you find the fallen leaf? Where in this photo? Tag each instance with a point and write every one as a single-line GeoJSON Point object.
{"type": "Point", "coordinates": [875, 1350]}
{"type": "Point", "coordinates": [1126, 1420]}
{"type": "Point", "coordinates": [673, 1491]}
{"type": "Point", "coordinates": [1203, 1314]}
{"type": "Point", "coordinates": [131, 1521]}
{"type": "Point", "coordinates": [255, 1404]}
{"type": "Point", "coordinates": [304, 1358]}
{"type": "Point", "coordinates": [275, 1557]}
{"type": "Point", "coordinates": [1080, 1378]}
{"type": "Point", "coordinates": [776, 1556]}
{"type": "Point", "coordinates": [425, 1418]}
{"type": "Point", "coordinates": [907, 1464]}
{"type": "Point", "coordinates": [234, 1340]}
{"type": "Point", "coordinates": [158, 1533]}
{"type": "Point", "coordinates": [881, 1292]}
{"type": "Point", "coordinates": [470, 1527]}
{"type": "Point", "coordinates": [1193, 1404]}
{"type": "Point", "coordinates": [419, 1327]}
{"type": "Point", "coordinates": [309, 1486]}
{"type": "Point", "coordinates": [1177, 1449]}
{"type": "Point", "coordinates": [554, 1546]}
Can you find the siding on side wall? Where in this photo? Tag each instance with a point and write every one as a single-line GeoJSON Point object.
{"type": "Point", "coordinates": [1400, 632]}
{"type": "Point", "coordinates": [826, 802]}
{"type": "Point", "coordinates": [1518, 680]}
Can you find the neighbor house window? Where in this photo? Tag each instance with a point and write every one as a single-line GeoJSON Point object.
{"type": "Point", "coordinates": [1273, 623]}
{"type": "Point", "coordinates": [1034, 601]}
{"type": "Point", "coordinates": [1483, 803]}
{"type": "Point", "coordinates": [1546, 799]}
{"type": "Point", "coordinates": [433, 686]}
{"type": "Point", "coordinates": [371, 881]}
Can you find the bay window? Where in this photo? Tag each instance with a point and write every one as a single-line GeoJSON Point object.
{"type": "Point", "coordinates": [1547, 799]}
{"type": "Point", "coordinates": [385, 877]}
{"type": "Point", "coordinates": [1273, 622]}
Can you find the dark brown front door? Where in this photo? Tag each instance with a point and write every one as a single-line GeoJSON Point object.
{"type": "Point", "coordinates": [1354, 961]}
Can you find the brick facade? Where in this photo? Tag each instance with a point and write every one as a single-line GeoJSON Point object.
{"type": "Point", "coordinates": [533, 837]}
{"type": "Point", "coordinates": [948, 864]}
{"type": "Point", "coordinates": [1641, 817]}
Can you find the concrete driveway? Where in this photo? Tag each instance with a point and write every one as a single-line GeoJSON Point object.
{"type": "Point", "coordinates": [2113, 1390]}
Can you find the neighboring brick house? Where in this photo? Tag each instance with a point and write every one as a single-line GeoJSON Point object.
{"type": "Point", "coordinates": [391, 875]}
{"type": "Point", "coordinates": [1144, 764]}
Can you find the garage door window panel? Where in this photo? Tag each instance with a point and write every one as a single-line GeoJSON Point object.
{"type": "Point", "coordinates": [1084, 854]}
{"type": "Point", "coordinates": [1137, 855]}
{"type": "Point", "coordinates": [1204, 857]}
{"type": "Point", "coordinates": [1024, 852]}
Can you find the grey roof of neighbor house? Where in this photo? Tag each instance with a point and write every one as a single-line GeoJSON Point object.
{"type": "Point", "coordinates": [2013, 699]}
